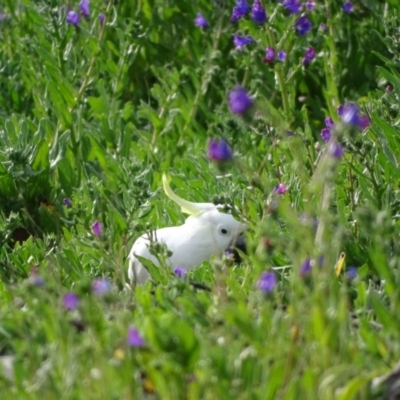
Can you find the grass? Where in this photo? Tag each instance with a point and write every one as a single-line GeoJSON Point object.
{"type": "Point", "coordinates": [97, 113]}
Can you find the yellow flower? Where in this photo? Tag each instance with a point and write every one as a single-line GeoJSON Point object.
{"type": "Point", "coordinates": [340, 264]}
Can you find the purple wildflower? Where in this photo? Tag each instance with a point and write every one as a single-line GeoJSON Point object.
{"type": "Point", "coordinates": [101, 286]}
{"type": "Point", "coordinates": [281, 188]}
{"type": "Point", "coordinates": [351, 116]}
{"type": "Point", "coordinates": [303, 25]}
{"type": "Point", "coordinates": [97, 228]}
{"type": "Point", "coordinates": [134, 339]}
{"type": "Point", "coordinates": [240, 10]}
{"type": "Point", "coordinates": [267, 282]}
{"type": "Point", "coordinates": [67, 202]}
{"type": "Point", "coordinates": [71, 301]}
{"type": "Point", "coordinates": [73, 18]}
{"type": "Point", "coordinates": [351, 273]}
{"type": "Point", "coordinates": [308, 56]}
{"type": "Point", "coordinates": [329, 123]}
{"type": "Point", "coordinates": [293, 6]}
{"type": "Point", "coordinates": [289, 133]}
{"type": "Point", "coordinates": [239, 100]}
{"type": "Point", "coordinates": [336, 150]}
{"type": "Point", "coordinates": [241, 41]}
{"type": "Point", "coordinates": [340, 110]}
{"type": "Point", "coordinates": [102, 18]}
{"type": "Point", "coordinates": [84, 7]}
{"type": "Point", "coordinates": [347, 7]}
{"type": "Point", "coordinates": [180, 272]}
{"type": "Point", "coordinates": [229, 254]}
{"type": "Point", "coordinates": [305, 267]}
{"type": "Point", "coordinates": [364, 122]}
{"type": "Point", "coordinates": [269, 55]}
{"type": "Point", "coordinates": [200, 21]}
{"type": "Point", "coordinates": [326, 134]}
{"type": "Point", "coordinates": [258, 13]}
{"type": "Point", "coordinates": [281, 55]}
{"type": "Point", "coordinates": [219, 150]}
{"type": "Point", "coordinates": [323, 27]}
{"type": "Point", "coordinates": [36, 280]}
{"type": "Point", "coordinates": [310, 5]}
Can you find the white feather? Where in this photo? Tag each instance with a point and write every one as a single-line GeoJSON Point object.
{"type": "Point", "coordinates": [205, 233]}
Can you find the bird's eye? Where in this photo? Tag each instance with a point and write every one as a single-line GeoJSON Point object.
{"type": "Point", "coordinates": [224, 231]}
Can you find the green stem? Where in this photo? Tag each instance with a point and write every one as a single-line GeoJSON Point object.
{"type": "Point", "coordinates": [281, 78]}
{"type": "Point", "coordinates": [331, 79]}
{"type": "Point", "coordinates": [203, 86]}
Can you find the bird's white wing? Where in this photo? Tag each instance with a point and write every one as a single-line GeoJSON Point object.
{"type": "Point", "coordinates": [205, 232]}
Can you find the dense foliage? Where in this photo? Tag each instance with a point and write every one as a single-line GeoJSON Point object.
{"type": "Point", "coordinates": [98, 99]}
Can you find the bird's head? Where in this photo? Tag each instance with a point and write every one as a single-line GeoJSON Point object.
{"type": "Point", "coordinates": [227, 232]}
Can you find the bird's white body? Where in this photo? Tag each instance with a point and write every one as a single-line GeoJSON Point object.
{"type": "Point", "coordinates": [205, 233]}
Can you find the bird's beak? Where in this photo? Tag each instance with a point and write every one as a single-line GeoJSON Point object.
{"type": "Point", "coordinates": [238, 243]}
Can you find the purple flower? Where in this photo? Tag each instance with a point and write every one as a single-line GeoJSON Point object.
{"type": "Point", "coordinates": [258, 13]}
{"type": "Point", "coordinates": [97, 228]}
{"type": "Point", "coordinates": [351, 273]}
{"type": "Point", "coordinates": [323, 27]}
{"type": "Point", "coordinates": [219, 150]}
{"type": "Point", "coordinates": [303, 25]}
{"type": "Point", "coordinates": [326, 134]}
{"type": "Point", "coordinates": [67, 202]}
{"type": "Point", "coordinates": [269, 55]}
{"type": "Point", "coordinates": [241, 41]}
{"type": "Point", "coordinates": [289, 133]}
{"type": "Point", "coordinates": [134, 339]}
{"type": "Point", "coordinates": [101, 286]}
{"type": "Point", "coordinates": [267, 281]}
{"type": "Point", "coordinates": [347, 7]}
{"type": "Point", "coordinates": [240, 10]}
{"type": "Point", "coordinates": [71, 301]}
{"type": "Point", "coordinates": [229, 254]}
{"type": "Point", "coordinates": [364, 122]}
{"type": "Point", "coordinates": [336, 150]}
{"type": "Point", "coordinates": [308, 56]}
{"type": "Point", "coordinates": [281, 188]}
{"type": "Point", "coordinates": [102, 18]}
{"type": "Point", "coordinates": [239, 100]}
{"type": "Point", "coordinates": [310, 5]}
{"type": "Point", "coordinates": [351, 116]}
{"type": "Point", "coordinates": [281, 55]}
{"type": "Point", "coordinates": [200, 21]}
{"type": "Point", "coordinates": [84, 7]}
{"type": "Point", "coordinates": [329, 123]}
{"type": "Point", "coordinates": [73, 18]}
{"type": "Point", "coordinates": [294, 6]}
{"type": "Point", "coordinates": [36, 280]}
{"type": "Point", "coordinates": [180, 272]}
{"type": "Point", "coordinates": [340, 110]}
{"type": "Point", "coordinates": [305, 267]}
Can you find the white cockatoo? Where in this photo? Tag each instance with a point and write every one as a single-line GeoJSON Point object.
{"type": "Point", "coordinates": [206, 232]}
